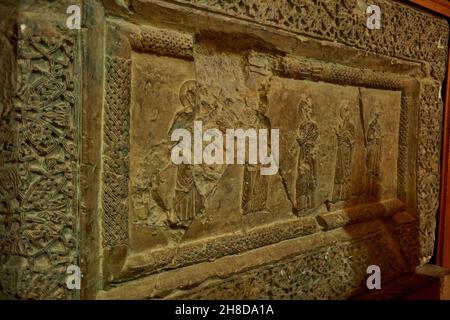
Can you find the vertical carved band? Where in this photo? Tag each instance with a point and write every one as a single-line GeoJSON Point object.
{"type": "Point", "coordinates": [38, 169]}
{"type": "Point", "coordinates": [428, 163]}
{"type": "Point", "coordinates": [402, 164]}
{"type": "Point", "coordinates": [115, 151]}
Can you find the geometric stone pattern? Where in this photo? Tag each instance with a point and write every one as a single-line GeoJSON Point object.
{"type": "Point", "coordinates": [116, 143]}
{"type": "Point", "coordinates": [164, 42]}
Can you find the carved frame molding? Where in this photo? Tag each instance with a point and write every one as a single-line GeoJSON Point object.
{"type": "Point", "coordinates": [125, 37]}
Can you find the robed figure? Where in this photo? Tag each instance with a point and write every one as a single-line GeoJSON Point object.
{"type": "Point", "coordinates": [373, 155]}
{"type": "Point", "coordinates": [307, 138]}
{"type": "Point", "coordinates": [188, 202]}
{"type": "Point", "coordinates": [345, 136]}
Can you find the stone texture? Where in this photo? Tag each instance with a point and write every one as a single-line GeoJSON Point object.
{"type": "Point", "coordinates": [428, 282]}
{"type": "Point", "coordinates": [86, 118]}
{"type": "Point", "coordinates": [40, 156]}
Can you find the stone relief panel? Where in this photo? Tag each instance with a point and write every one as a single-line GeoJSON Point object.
{"type": "Point", "coordinates": [341, 160]}
{"type": "Point", "coordinates": [164, 197]}
{"type": "Point", "coordinates": [335, 133]}
{"type": "Point", "coordinates": [344, 131]}
{"type": "Point", "coordinates": [173, 204]}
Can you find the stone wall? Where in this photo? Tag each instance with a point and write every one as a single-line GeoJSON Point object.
{"type": "Point", "coordinates": [87, 115]}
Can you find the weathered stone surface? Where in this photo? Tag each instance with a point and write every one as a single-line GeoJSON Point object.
{"type": "Point", "coordinates": [85, 147]}
{"type": "Point", "coordinates": [39, 158]}
{"type": "Point", "coordinates": [428, 282]}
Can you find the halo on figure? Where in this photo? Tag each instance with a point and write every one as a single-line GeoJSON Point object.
{"type": "Point", "coordinates": [344, 109]}
{"type": "Point", "coordinates": [187, 93]}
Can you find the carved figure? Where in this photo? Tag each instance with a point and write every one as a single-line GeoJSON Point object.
{"type": "Point", "coordinates": [373, 155]}
{"type": "Point", "coordinates": [345, 136]}
{"type": "Point", "coordinates": [188, 201]}
{"type": "Point", "coordinates": [307, 137]}
{"type": "Point", "coordinates": [256, 185]}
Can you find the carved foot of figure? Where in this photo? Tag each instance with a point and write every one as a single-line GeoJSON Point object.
{"type": "Point", "coordinates": [337, 193]}
{"type": "Point", "coordinates": [305, 204]}
{"type": "Point", "coordinates": [373, 187]}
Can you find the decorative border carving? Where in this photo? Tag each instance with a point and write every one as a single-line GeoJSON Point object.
{"type": "Point", "coordinates": [163, 42]}
{"type": "Point", "coordinates": [116, 145]}
{"type": "Point", "coordinates": [318, 257]}
{"type": "Point", "coordinates": [402, 162]}
{"type": "Point", "coordinates": [194, 252]}
{"type": "Point", "coordinates": [324, 273]}
{"type": "Point", "coordinates": [346, 23]}
{"type": "Point", "coordinates": [428, 164]}
{"type": "Point", "coordinates": [339, 74]}
{"type": "Point", "coordinates": [39, 157]}
{"type": "Point", "coordinates": [228, 244]}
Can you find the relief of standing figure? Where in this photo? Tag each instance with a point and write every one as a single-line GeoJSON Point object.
{"type": "Point", "coordinates": [188, 201]}
{"type": "Point", "coordinates": [345, 135]}
{"type": "Point", "coordinates": [255, 190]}
{"type": "Point", "coordinates": [373, 156]}
{"type": "Point", "coordinates": [307, 137]}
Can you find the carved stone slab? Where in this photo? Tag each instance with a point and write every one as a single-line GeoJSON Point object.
{"type": "Point", "coordinates": [86, 125]}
